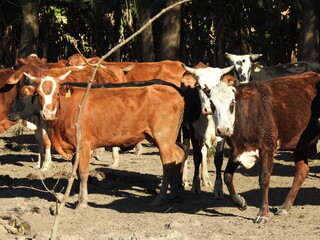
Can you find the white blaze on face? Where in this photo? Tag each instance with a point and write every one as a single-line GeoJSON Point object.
{"type": "Point", "coordinates": [222, 97]}
{"type": "Point", "coordinates": [46, 89]}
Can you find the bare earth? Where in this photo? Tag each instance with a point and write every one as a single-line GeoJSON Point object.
{"type": "Point", "coordinates": [119, 204]}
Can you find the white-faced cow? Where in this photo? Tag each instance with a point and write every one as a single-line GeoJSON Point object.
{"type": "Point", "coordinates": [136, 111]}
{"type": "Point", "coordinates": [259, 118]}
{"type": "Point", "coordinates": [242, 65]}
{"type": "Point", "coordinates": [201, 126]}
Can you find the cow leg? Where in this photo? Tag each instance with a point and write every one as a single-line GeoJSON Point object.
{"type": "Point", "coordinates": [138, 149]}
{"type": "Point", "coordinates": [238, 200]}
{"type": "Point", "coordinates": [301, 172]}
{"type": "Point", "coordinates": [264, 182]}
{"type": "Point", "coordinates": [115, 157]}
{"type": "Point", "coordinates": [83, 174]}
{"type": "Point", "coordinates": [39, 138]}
{"type": "Point", "coordinates": [47, 146]}
{"type": "Point", "coordinates": [44, 149]}
{"type": "Point", "coordinates": [204, 167]}
{"type": "Point", "coordinates": [218, 160]}
{"type": "Point", "coordinates": [185, 174]}
{"type": "Point", "coordinates": [197, 159]}
{"type": "Point", "coordinates": [186, 142]}
{"type": "Point", "coordinates": [172, 161]}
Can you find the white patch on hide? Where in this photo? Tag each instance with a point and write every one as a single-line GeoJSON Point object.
{"type": "Point", "coordinates": [248, 159]}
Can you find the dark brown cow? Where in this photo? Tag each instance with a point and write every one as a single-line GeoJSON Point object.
{"type": "Point", "coordinates": [261, 117]}
{"type": "Point", "coordinates": [135, 112]}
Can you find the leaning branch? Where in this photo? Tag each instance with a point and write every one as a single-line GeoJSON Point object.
{"type": "Point", "coordinates": [81, 106]}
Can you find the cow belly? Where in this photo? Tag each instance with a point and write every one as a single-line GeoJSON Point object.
{"type": "Point", "coordinates": [248, 159]}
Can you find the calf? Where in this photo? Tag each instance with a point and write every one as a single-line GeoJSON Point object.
{"type": "Point", "coordinates": [259, 118]}
{"type": "Point", "coordinates": [135, 112]}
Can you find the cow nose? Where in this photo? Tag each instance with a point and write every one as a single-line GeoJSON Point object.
{"type": "Point", "coordinates": [12, 117]}
{"type": "Point", "coordinates": [206, 111]}
{"type": "Point", "coordinates": [223, 131]}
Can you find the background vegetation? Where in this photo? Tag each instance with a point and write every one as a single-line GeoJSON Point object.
{"type": "Point", "coordinates": [200, 30]}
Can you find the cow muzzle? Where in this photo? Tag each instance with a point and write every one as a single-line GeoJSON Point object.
{"type": "Point", "coordinates": [224, 132]}
{"type": "Point", "coordinates": [48, 115]}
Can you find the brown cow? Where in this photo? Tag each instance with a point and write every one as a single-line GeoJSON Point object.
{"type": "Point", "coordinates": [110, 74]}
{"type": "Point", "coordinates": [77, 60]}
{"type": "Point", "coordinates": [7, 94]}
{"type": "Point", "coordinates": [135, 111]}
{"type": "Point", "coordinates": [260, 117]}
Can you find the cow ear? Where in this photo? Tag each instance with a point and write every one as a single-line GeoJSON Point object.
{"type": "Point", "coordinates": [21, 61]}
{"type": "Point", "coordinates": [229, 80]}
{"type": "Point", "coordinates": [28, 90]}
{"type": "Point", "coordinates": [66, 91]}
{"type": "Point", "coordinates": [189, 80]}
{"type": "Point", "coordinates": [244, 93]}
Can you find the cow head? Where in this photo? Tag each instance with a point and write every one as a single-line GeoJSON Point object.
{"type": "Point", "coordinates": [243, 65]}
{"type": "Point", "coordinates": [223, 100]}
{"type": "Point", "coordinates": [206, 78]}
{"type": "Point", "coordinates": [47, 89]}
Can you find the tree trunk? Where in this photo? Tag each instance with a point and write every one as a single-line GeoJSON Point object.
{"type": "Point", "coordinates": [309, 38]}
{"type": "Point", "coordinates": [170, 40]}
{"type": "Point", "coordinates": [147, 52]}
{"type": "Point", "coordinates": [29, 28]}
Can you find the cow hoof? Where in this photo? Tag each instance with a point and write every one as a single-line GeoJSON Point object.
{"type": "Point", "coordinates": [159, 201]}
{"type": "Point", "coordinates": [241, 203]}
{"type": "Point", "coordinates": [218, 191]}
{"type": "Point", "coordinates": [195, 189]}
{"type": "Point", "coordinates": [207, 184]}
{"type": "Point", "coordinates": [114, 165]}
{"type": "Point", "coordinates": [281, 211]}
{"type": "Point", "coordinates": [81, 206]}
{"type": "Point", "coordinates": [45, 168]}
{"type": "Point", "coordinates": [261, 220]}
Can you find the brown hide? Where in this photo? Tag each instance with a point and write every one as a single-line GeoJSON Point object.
{"type": "Point", "coordinates": [77, 60]}
{"type": "Point", "coordinates": [7, 94]}
{"type": "Point", "coordinates": [110, 74]}
{"type": "Point", "coordinates": [169, 71]}
{"type": "Point", "coordinates": [278, 109]}
{"type": "Point", "coordinates": [134, 113]}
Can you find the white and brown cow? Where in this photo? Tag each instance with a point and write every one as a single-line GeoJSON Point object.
{"type": "Point", "coordinates": [259, 118]}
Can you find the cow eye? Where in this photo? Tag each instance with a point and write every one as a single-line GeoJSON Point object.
{"type": "Point", "coordinates": [232, 106]}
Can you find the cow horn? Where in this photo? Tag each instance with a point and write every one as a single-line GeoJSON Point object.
{"type": "Point", "coordinates": [63, 76]}
{"type": "Point", "coordinates": [191, 70]}
{"type": "Point", "coordinates": [227, 69]}
{"type": "Point", "coordinates": [255, 56]}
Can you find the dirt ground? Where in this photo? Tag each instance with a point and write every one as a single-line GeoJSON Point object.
{"type": "Point", "coordinates": [119, 204]}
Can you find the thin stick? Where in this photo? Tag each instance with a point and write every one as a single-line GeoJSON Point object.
{"type": "Point", "coordinates": [82, 104]}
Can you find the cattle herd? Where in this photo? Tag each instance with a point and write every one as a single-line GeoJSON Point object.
{"type": "Point", "coordinates": [255, 110]}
